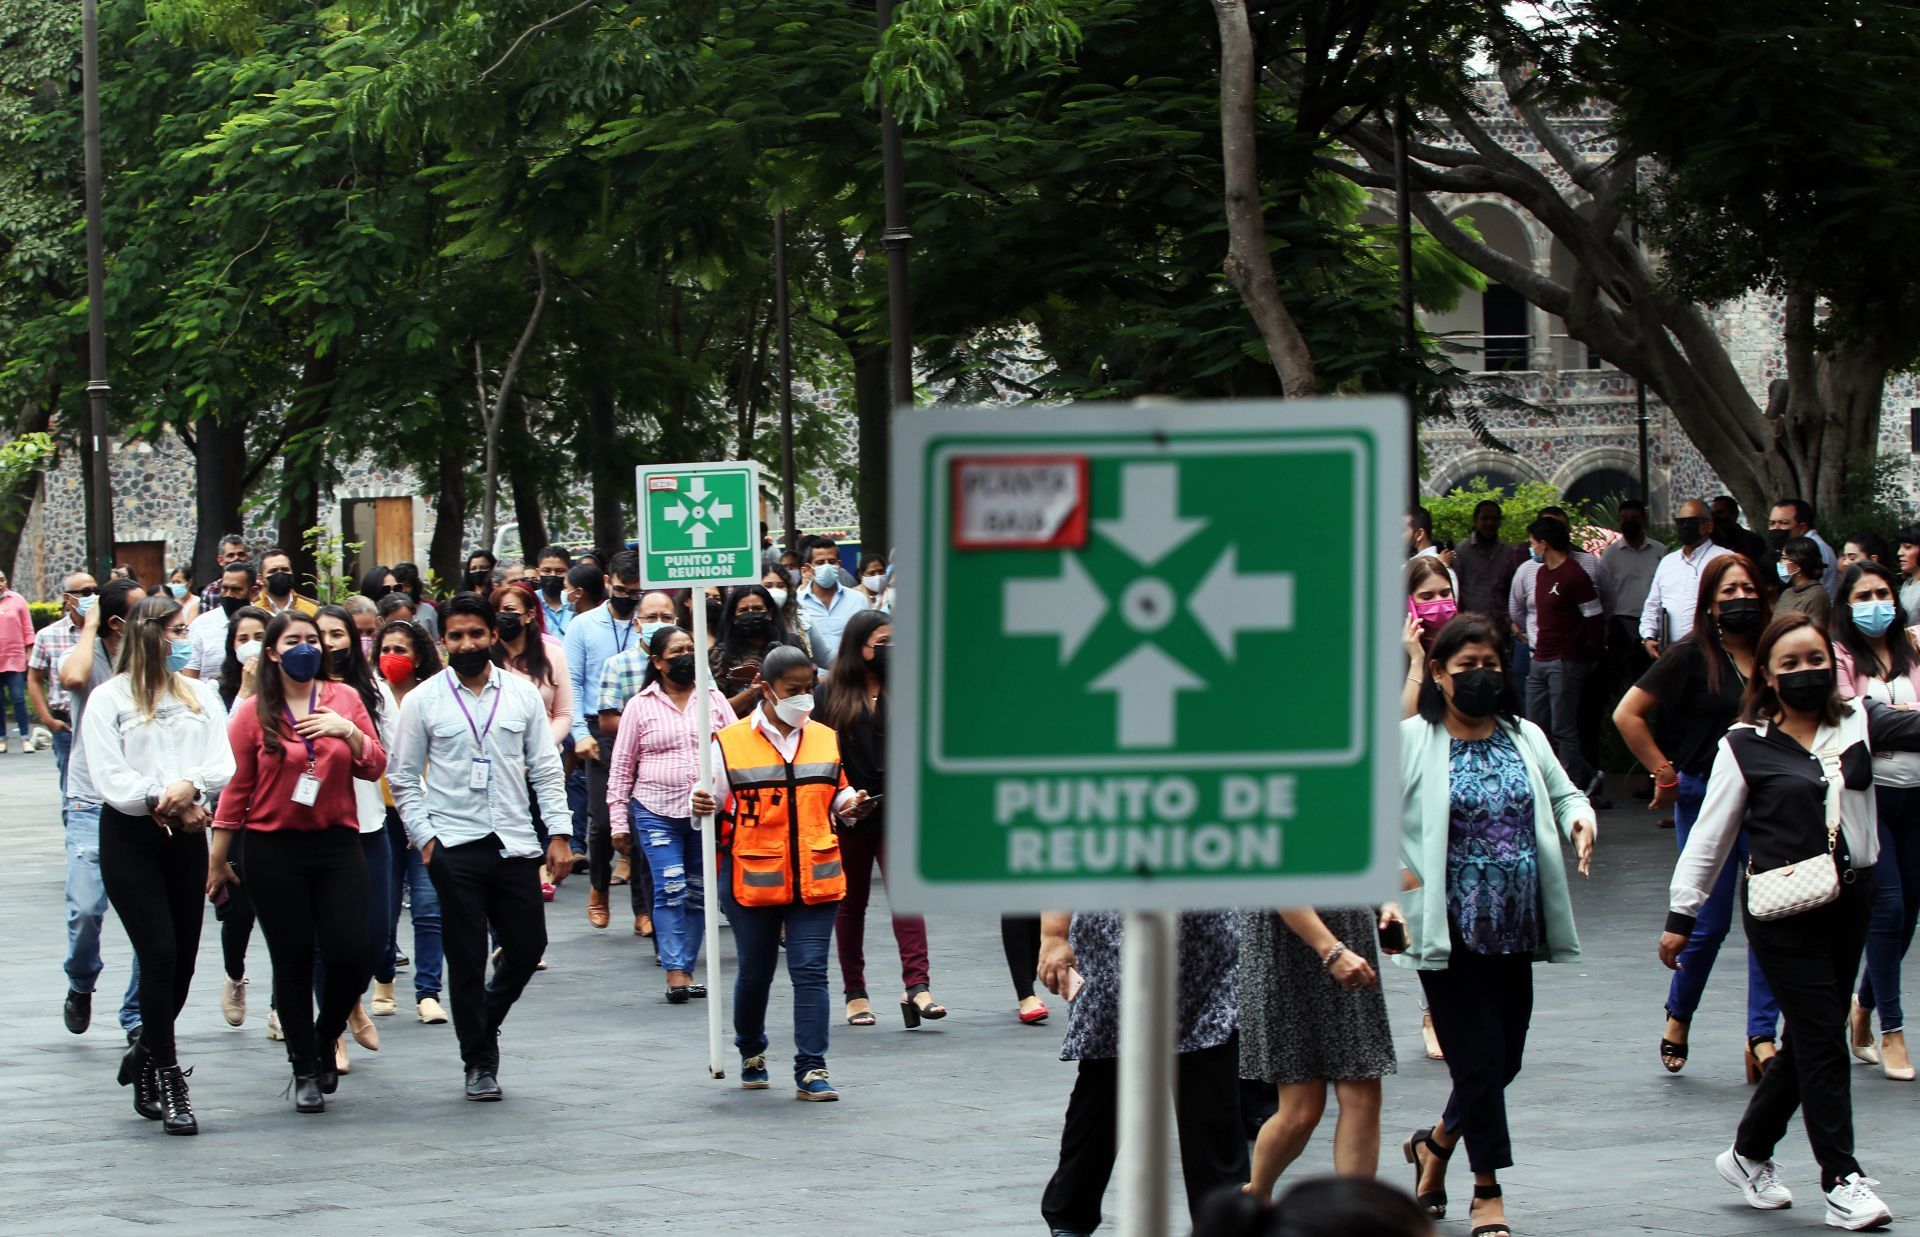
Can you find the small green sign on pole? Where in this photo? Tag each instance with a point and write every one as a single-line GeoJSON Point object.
{"type": "Point", "coordinates": [1148, 657]}
{"type": "Point", "coordinates": [699, 524]}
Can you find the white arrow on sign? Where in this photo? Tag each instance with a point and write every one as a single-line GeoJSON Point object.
{"type": "Point", "coordinates": [1149, 527]}
{"type": "Point", "coordinates": [676, 513]}
{"type": "Point", "coordinates": [1146, 682]}
{"type": "Point", "coordinates": [698, 535]}
{"type": "Point", "coordinates": [1069, 607]}
{"type": "Point", "coordinates": [1227, 603]}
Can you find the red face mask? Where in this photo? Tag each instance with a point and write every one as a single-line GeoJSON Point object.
{"type": "Point", "coordinates": [396, 667]}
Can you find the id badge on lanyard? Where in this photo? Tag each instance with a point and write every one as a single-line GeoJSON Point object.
{"type": "Point", "coordinates": [477, 773]}
{"type": "Point", "coordinates": [480, 768]}
{"type": "Point", "coordinates": [306, 791]}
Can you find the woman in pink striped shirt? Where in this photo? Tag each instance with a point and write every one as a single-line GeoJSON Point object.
{"type": "Point", "coordinates": [649, 786]}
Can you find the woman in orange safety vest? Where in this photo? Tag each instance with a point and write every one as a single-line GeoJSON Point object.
{"type": "Point", "coordinates": [778, 776]}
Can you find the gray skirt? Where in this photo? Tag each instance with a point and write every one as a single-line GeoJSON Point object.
{"type": "Point", "coordinates": [1296, 1023]}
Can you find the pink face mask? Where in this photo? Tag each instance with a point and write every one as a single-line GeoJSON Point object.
{"type": "Point", "coordinates": [1433, 615]}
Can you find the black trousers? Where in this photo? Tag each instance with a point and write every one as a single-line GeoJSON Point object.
{"type": "Point", "coordinates": [157, 883]}
{"type": "Point", "coordinates": [600, 838]}
{"type": "Point", "coordinates": [1482, 1005]}
{"type": "Point", "coordinates": [480, 890]}
{"type": "Point", "coordinates": [236, 919]}
{"type": "Point", "coordinates": [1206, 1109]}
{"type": "Point", "coordinates": [1810, 960]}
{"type": "Point", "coordinates": [1020, 940]}
{"type": "Point", "coordinates": [310, 893]}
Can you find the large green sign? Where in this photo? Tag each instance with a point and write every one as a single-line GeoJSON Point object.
{"type": "Point", "coordinates": [699, 524]}
{"type": "Point", "coordinates": [1147, 657]}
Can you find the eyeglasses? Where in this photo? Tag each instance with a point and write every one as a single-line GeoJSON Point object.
{"type": "Point", "coordinates": [83, 592]}
{"type": "Point", "coordinates": [177, 630]}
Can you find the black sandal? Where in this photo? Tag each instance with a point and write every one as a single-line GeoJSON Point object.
{"type": "Point", "coordinates": [1434, 1202]}
{"type": "Point", "coordinates": [1673, 1056]}
{"type": "Point", "coordinates": [1501, 1229]}
{"type": "Point", "coordinates": [679, 994]}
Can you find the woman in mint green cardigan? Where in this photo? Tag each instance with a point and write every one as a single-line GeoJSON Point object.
{"type": "Point", "coordinates": [1486, 805]}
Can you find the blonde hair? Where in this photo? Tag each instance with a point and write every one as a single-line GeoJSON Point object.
{"type": "Point", "coordinates": [143, 656]}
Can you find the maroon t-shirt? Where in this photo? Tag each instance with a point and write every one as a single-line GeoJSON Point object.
{"type": "Point", "coordinates": [1567, 606]}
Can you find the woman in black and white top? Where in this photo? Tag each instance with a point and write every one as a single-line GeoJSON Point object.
{"type": "Point", "coordinates": [156, 749]}
{"type": "Point", "coordinates": [1797, 772]}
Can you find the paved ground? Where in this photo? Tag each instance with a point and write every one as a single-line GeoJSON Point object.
{"type": "Point", "coordinates": [611, 1124]}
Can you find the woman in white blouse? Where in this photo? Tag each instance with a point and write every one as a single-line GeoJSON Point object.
{"type": "Point", "coordinates": [155, 746]}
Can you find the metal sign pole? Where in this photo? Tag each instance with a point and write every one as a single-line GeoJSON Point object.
{"type": "Point", "coordinates": [709, 844]}
{"type": "Point", "coordinates": [1146, 1069]}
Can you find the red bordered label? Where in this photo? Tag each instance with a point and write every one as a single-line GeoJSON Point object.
{"type": "Point", "coordinates": [1019, 502]}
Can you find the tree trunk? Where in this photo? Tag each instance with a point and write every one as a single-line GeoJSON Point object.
{"type": "Point", "coordinates": [873, 408]}
{"type": "Point", "coordinates": [446, 556]}
{"type": "Point", "coordinates": [498, 411]}
{"type": "Point", "coordinates": [16, 500]}
{"type": "Point", "coordinates": [220, 465]}
{"type": "Point", "coordinates": [523, 472]}
{"type": "Point", "coordinates": [603, 469]}
{"type": "Point", "coordinates": [1249, 263]}
{"type": "Point", "coordinates": [302, 462]}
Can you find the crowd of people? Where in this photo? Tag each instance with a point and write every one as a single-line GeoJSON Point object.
{"type": "Point", "coordinates": [316, 768]}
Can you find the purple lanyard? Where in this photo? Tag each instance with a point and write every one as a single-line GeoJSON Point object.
{"type": "Point", "coordinates": [479, 732]}
{"type": "Point", "coordinates": [312, 703]}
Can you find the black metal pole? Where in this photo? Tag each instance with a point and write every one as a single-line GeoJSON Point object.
{"type": "Point", "coordinates": [100, 476]}
{"type": "Point", "coordinates": [898, 240]}
{"type": "Point", "coordinates": [1640, 387]}
{"type": "Point", "coordinates": [1409, 329]}
{"type": "Point", "coordinates": [783, 313]}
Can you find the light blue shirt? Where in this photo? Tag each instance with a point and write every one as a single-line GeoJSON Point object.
{"type": "Point", "coordinates": [559, 618]}
{"type": "Point", "coordinates": [827, 622]}
{"type": "Point", "coordinates": [592, 640]}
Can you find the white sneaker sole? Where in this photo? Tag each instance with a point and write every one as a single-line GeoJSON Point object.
{"type": "Point", "coordinates": [1859, 1223]}
{"type": "Point", "coordinates": [1730, 1173]}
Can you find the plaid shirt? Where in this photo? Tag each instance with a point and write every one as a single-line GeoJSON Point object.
{"type": "Point", "coordinates": [50, 648]}
{"type": "Point", "coordinates": [621, 679]}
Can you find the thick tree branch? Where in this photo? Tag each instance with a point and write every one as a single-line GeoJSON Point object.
{"type": "Point", "coordinates": [1582, 172]}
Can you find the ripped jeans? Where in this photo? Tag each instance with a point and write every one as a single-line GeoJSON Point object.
{"type": "Point", "coordinates": [672, 849]}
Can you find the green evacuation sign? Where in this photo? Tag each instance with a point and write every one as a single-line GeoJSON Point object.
{"type": "Point", "coordinates": [1147, 657]}
{"type": "Point", "coordinates": [699, 524]}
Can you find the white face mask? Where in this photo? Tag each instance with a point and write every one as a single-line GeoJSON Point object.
{"type": "Point", "coordinates": [873, 584]}
{"type": "Point", "coordinates": [246, 652]}
{"type": "Point", "coordinates": [779, 596]}
{"type": "Point", "coordinates": [794, 710]}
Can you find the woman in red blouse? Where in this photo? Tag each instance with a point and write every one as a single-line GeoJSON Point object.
{"type": "Point", "coordinates": [297, 752]}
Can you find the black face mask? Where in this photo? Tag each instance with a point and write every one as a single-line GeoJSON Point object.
{"type": "Point", "coordinates": [1777, 539]}
{"type": "Point", "coordinates": [508, 624]}
{"type": "Point", "coordinates": [1631, 529]}
{"type": "Point", "coordinates": [468, 662]}
{"type": "Point", "coordinates": [623, 606]}
{"type": "Point", "coordinates": [1476, 693]}
{"type": "Point", "coordinates": [551, 586]}
{"type": "Point", "coordinates": [714, 608]}
{"type": "Point", "coordinates": [280, 583]}
{"type": "Point", "coordinates": [339, 661]}
{"type": "Point", "coordinates": [232, 604]}
{"type": "Point", "coordinates": [752, 624]}
{"type": "Point", "coordinates": [680, 669]}
{"type": "Point", "coordinates": [1688, 526]}
{"type": "Point", "coordinates": [477, 580]}
{"type": "Point", "coordinates": [1741, 616]}
{"type": "Point", "coordinates": [882, 654]}
{"type": "Point", "coordinates": [1805, 690]}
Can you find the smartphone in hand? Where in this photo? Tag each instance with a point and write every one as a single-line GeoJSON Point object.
{"type": "Point", "coordinates": [1075, 982]}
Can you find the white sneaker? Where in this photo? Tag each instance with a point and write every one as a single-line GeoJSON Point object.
{"type": "Point", "coordinates": [1854, 1206]}
{"type": "Point", "coordinates": [1759, 1181]}
{"type": "Point", "coordinates": [233, 1001]}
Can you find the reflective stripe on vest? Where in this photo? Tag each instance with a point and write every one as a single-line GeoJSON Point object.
{"type": "Point", "coordinates": [782, 840]}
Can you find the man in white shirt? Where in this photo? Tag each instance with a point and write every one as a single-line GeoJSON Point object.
{"type": "Point", "coordinates": [1793, 517]}
{"type": "Point", "coordinates": [471, 739]}
{"type": "Point", "coordinates": [209, 632]}
{"type": "Point", "coordinates": [1676, 582]}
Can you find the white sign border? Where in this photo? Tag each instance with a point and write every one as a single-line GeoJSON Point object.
{"type": "Point", "coordinates": [751, 549]}
{"type": "Point", "coordinates": [914, 429]}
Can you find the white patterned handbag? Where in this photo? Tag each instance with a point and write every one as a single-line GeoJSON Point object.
{"type": "Point", "coordinates": [1810, 882]}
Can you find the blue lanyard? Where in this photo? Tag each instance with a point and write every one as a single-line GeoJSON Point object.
{"type": "Point", "coordinates": [479, 732]}
{"type": "Point", "coordinates": [293, 723]}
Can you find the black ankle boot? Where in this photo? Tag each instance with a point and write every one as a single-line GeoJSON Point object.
{"type": "Point", "coordinates": [137, 1069]}
{"type": "Point", "coordinates": [306, 1089]}
{"type": "Point", "coordinates": [177, 1117]}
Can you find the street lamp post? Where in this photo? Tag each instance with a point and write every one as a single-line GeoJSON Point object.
{"type": "Point", "coordinates": [898, 240]}
{"type": "Point", "coordinates": [783, 311]}
{"type": "Point", "coordinates": [100, 478]}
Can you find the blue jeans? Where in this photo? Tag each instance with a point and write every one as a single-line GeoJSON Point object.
{"type": "Point", "coordinates": [423, 908]}
{"type": "Point", "coordinates": [87, 906]}
{"type": "Point", "coordinates": [577, 801]}
{"type": "Point", "coordinates": [756, 938]}
{"type": "Point", "coordinates": [1522, 664]}
{"type": "Point", "coordinates": [1896, 903]}
{"type": "Point", "coordinates": [1710, 929]}
{"type": "Point", "coordinates": [672, 851]}
{"type": "Point", "coordinates": [62, 748]}
{"type": "Point", "coordinates": [14, 683]}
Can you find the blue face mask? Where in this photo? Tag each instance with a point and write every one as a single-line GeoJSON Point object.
{"type": "Point", "coordinates": [1873, 617]}
{"type": "Point", "coordinates": [1786, 576]}
{"type": "Point", "coordinates": [1536, 556]}
{"type": "Point", "coordinates": [179, 591]}
{"type": "Point", "coordinates": [301, 662]}
{"type": "Point", "coordinates": [82, 606]}
{"type": "Point", "coordinates": [649, 630]}
{"type": "Point", "coordinates": [826, 576]}
{"type": "Point", "coordinates": [179, 653]}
